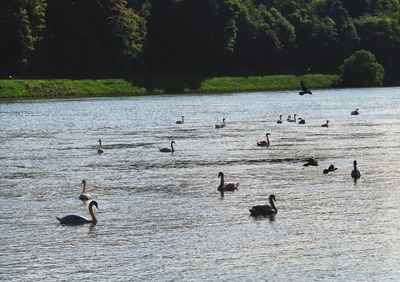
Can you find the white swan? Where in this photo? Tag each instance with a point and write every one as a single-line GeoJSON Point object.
{"type": "Point", "coordinates": [264, 143]}
{"type": "Point", "coordinates": [85, 195]}
{"type": "Point", "coordinates": [221, 125]}
{"type": "Point", "coordinates": [77, 219]}
{"type": "Point", "coordinates": [265, 209]}
{"type": "Point", "coordinates": [230, 186]}
{"type": "Point", "coordinates": [180, 121]}
{"type": "Point", "coordinates": [325, 124]}
{"type": "Point", "coordinates": [355, 173]}
{"type": "Point", "coordinates": [168, 150]}
{"type": "Point", "coordinates": [289, 119]}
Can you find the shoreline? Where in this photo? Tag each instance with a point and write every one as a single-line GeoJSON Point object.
{"type": "Point", "coordinates": [81, 88]}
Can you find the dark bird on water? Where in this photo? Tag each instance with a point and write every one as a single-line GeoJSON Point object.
{"type": "Point", "coordinates": [355, 173]}
{"type": "Point", "coordinates": [230, 186]}
{"type": "Point", "coordinates": [265, 209]}
{"type": "Point", "coordinates": [329, 169]}
{"type": "Point", "coordinates": [305, 89]}
{"type": "Point", "coordinates": [311, 161]}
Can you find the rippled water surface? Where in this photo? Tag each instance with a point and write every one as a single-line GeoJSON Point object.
{"type": "Point", "coordinates": [160, 215]}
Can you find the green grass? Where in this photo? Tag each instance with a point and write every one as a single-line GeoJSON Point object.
{"type": "Point", "coordinates": [270, 82]}
{"type": "Point", "coordinates": [58, 88]}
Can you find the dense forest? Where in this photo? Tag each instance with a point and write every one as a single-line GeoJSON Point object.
{"type": "Point", "coordinates": [114, 38]}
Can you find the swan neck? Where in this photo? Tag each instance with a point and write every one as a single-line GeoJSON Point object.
{"type": "Point", "coordinates": [84, 187]}
{"type": "Point", "coordinates": [172, 147]}
{"type": "Point", "coordinates": [271, 202]}
{"type": "Point", "coordinates": [94, 219]}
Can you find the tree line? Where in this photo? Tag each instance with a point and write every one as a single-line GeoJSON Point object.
{"type": "Point", "coordinates": [108, 38]}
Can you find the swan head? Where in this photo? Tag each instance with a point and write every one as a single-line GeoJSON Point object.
{"type": "Point", "coordinates": [93, 203]}
{"type": "Point", "coordinates": [100, 141]}
{"type": "Point", "coordinates": [355, 163]}
{"type": "Point", "coordinates": [83, 181]}
{"type": "Point", "coordinates": [220, 174]}
{"type": "Point", "coordinates": [172, 142]}
{"type": "Point", "coordinates": [272, 197]}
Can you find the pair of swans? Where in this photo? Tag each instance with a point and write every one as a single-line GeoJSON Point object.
{"type": "Point", "coordinates": [265, 210]}
{"type": "Point", "coordinates": [168, 150]}
{"type": "Point", "coordinates": [230, 186]}
{"type": "Point", "coordinates": [221, 125]}
{"type": "Point", "coordinates": [355, 173]}
{"type": "Point", "coordinates": [180, 121]}
{"type": "Point", "coordinates": [264, 143]}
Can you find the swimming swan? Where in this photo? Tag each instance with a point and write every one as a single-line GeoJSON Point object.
{"type": "Point", "coordinates": [230, 186]}
{"type": "Point", "coordinates": [325, 124]}
{"type": "Point", "coordinates": [85, 195]}
{"type": "Point", "coordinates": [100, 150]}
{"type": "Point", "coordinates": [289, 119]}
{"type": "Point", "coordinates": [301, 121]}
{"type": "Point", "coordinates": [180, 121]}
{"type": "Point", "coordinates": [265, 209]}
{"type": "Point", "coordinates": [355, 173]}
{"type": "Point", "coordinates": [355, 112]}
{"type": "Point", "coordinates": [221, 125]}
{"type": "Point", "coordinates": [280, 119]}
{"type": "Point", "coordinates": [77, 219]}
{"type": "Point", "coordinates": [264, 143]}
{"type": "Point", "coordinates": [168, 150]}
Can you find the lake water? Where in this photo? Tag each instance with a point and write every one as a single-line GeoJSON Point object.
{"type": "Point", "coordinates": [160, 215]}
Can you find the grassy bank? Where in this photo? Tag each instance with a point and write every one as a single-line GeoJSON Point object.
{"type": "Point", "coordinates": [15, 88]}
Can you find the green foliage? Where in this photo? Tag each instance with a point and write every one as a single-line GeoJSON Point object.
{"type": "Point", "coordinates": [362, 69]}
{"type": "Point", "coordinates": [103, 38]}
{"type": "Point", "coordinates": [21, 30]}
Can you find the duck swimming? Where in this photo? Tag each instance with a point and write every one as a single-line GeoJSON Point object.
{"type": "Point", "coordinates": [230, 186]}
{"type": "Point", "coordinates": [329, 169]}
{"type": "Point", "coordinates": [265, 209]}
{"type": "Point", "coordinates": [168, 150]}
{"type": "Point", "coordinates": [77, 219]}
{"type": "Point", "coordinates": [264, 143]}
{"type": "Point", "coordinates": [85, 195]}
